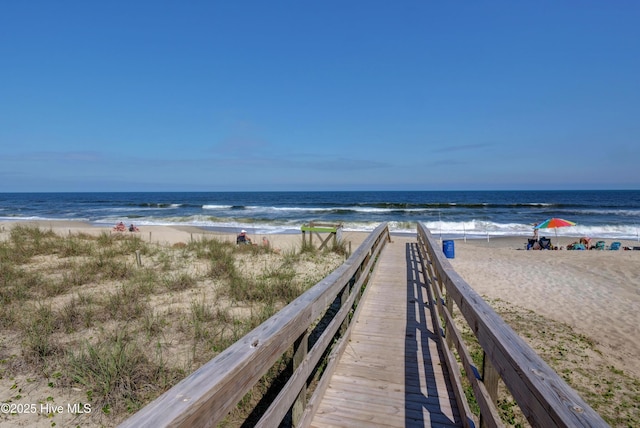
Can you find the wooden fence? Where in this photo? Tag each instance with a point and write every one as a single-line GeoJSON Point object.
{"type": "Point", "coordinates": [545, 399]}
{"type": "Point", "coordinates": [312, 327]}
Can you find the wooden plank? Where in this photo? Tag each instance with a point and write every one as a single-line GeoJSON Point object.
{"type": "Point", "coordinates": [380, 379]}
{"type": "Point", "coordinates": [397, 411]}
{"type": "Point", "coordinates": [365, 407]}
{"type": "Point", "coordinates": [331, 419]}
{"type": "Point", "coordinates": [339, 348]}
{"type": "Point", "coordinates": [319, 229]}
{"type": "Point", "coordinates": [384, 392]}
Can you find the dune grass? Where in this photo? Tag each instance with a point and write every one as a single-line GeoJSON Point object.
{"type": "Point", "coordinates": [575, 357]}
{"type": "Point", "coordinates": [80, 314]}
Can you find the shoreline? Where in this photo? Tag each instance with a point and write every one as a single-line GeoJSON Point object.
{"type": "Point", "coordinates": [606, 232]}
{"type": "Point", "coordinates": [496, 239]}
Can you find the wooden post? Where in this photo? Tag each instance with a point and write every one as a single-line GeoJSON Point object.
{"type": "Point", "coordinates": [490, 378]}
{"type": "Point", "coordinates": [300, 349]}
{"type": "Point", "coordinates": [449, 303]}
{"type": "Point", "coordinates": [138, 258]}
{"type": "Point", "coordinates": [344, 297]}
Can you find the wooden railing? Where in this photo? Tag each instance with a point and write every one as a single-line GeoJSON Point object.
{"type": "Point", "coordinates": [313, 327]}
{"type": "Point", "coordinates": [544, 398]}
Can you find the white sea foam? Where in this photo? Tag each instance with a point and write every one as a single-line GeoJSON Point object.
{"type": "Point", "coordinates": [449, 229]}
{"type": "Point", "coordinates": [624, 213]}
{"type": "Point", "coordinates": [472, 228]}
{"type": "Point", "coordinates": [346, 208]}
{"type": "Point", "coordinates": [216, 207]}
{"type": "Point", "coordinates": [297, 209]}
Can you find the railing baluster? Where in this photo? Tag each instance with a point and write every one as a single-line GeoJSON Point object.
{"type": "Point", "coordinates": [344, 297]}
{"type": "Point", "coordinates": [300, 349]}
{"type": "Point", "coordinates": [490, 378]}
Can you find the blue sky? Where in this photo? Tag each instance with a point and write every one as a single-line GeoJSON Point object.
{"type": "Point", "coordinates": [332, 95]}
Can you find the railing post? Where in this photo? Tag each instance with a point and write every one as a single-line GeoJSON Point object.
{"type": "Point", "coordinates": [351, 285]}
{"type": "Point", "coordinates": [490, 378]}
{"type": "Point", "coordinates": [344, 297]}
{"type": "Point", "coordinates": [300, 349]}
{"type": "Point", "coordinates": [448, 301]}
{"type": "Point", "coordinates": [447, 335]}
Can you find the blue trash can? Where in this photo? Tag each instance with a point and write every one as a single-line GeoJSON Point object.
{"type": "Point", "coordinates": [449, 249]}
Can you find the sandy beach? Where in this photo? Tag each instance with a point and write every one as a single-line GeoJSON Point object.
{"type": "Point", "coordinates": [172, 234]}
{"type": "Point", "coordinates": [596, 293]}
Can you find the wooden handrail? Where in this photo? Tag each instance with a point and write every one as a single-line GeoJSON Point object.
{"type": "Point", "coordinates": [205, 398]}
{"type": "Point", "coordinates": [543, 396]}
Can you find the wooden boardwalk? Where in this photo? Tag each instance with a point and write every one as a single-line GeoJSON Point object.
{"type": "Point", "coordinates": [382, 365]}
{"type": "Point", "coordinates": [392, 373]}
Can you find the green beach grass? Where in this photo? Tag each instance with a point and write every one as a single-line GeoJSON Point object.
{"type": "Point", "coordinates": [84, 321]}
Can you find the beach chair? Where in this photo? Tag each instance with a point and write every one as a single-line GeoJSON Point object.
{"type": "Point", "coordinates": [600, 245]}
{"type": "Point", "coordinates": [615, 246]}
{"type": "Point", "coordinates": [545, 243]}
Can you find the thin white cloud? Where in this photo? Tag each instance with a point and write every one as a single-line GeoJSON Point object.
{"type": "Point", "coordinates": [52, 156]}
{"type": "Point", "coordinates": [463, 148]}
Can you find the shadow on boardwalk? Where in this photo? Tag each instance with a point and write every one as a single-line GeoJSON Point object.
{"type": "Point", "coordinates": [425, 374]}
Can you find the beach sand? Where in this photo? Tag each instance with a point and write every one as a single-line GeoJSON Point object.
{"type": "Point", "coordinates": [597, 293]}
{"type": "Point", "coordinates": [174, 234]}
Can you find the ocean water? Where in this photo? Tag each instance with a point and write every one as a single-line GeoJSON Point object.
{"type": "Point", "coordinates": [450, 214]}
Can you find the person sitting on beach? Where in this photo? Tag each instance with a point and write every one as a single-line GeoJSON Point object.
{"type": "Point", "coordinates": [120, 227]}
{"type": "Point", "coordinates": [267, 244]}
{"type": "Point", "coordinates": [242, 238]}
{"type": "Point", "coordinates": [577, 246]}
{"type": "Point", "coordinates": [132, 228]}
